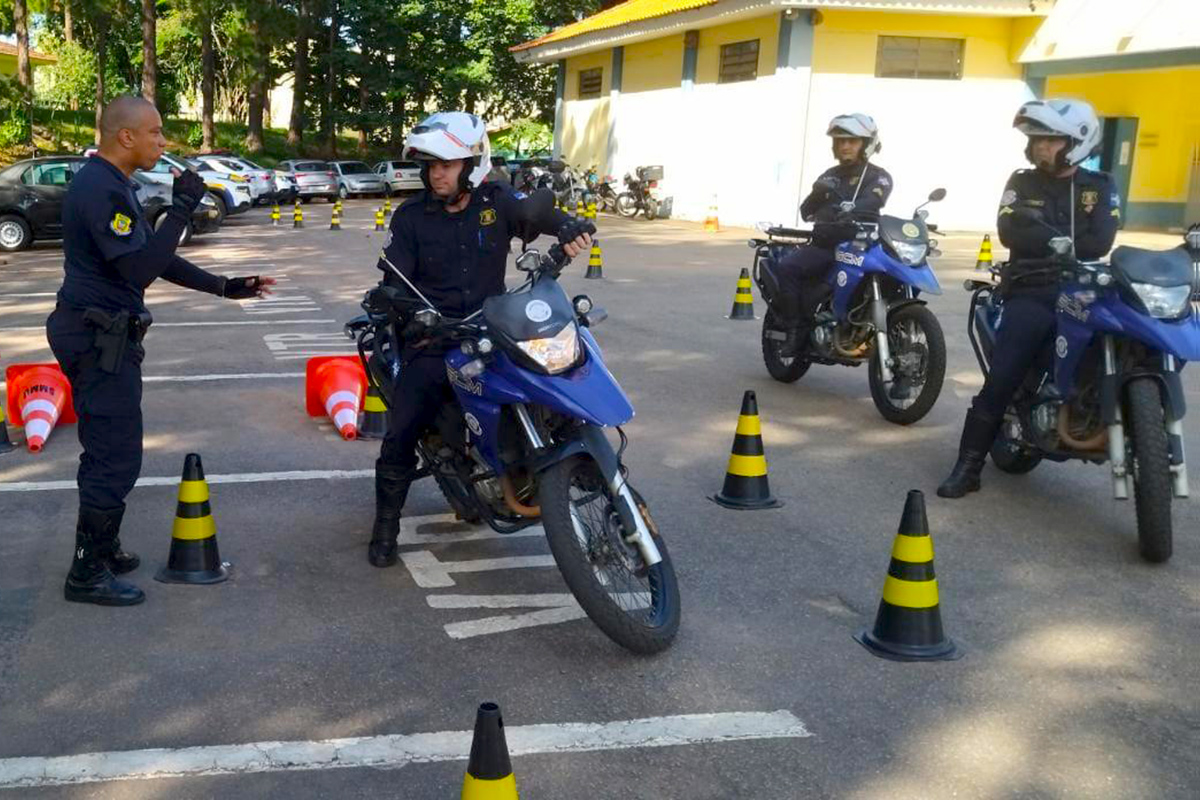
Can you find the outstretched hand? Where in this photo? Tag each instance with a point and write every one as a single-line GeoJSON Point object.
{"type": "Point", "coordinates": [245, 288]}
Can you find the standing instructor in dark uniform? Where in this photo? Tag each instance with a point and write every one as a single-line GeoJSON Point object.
{"type": "Point", "coordinates": [96, 329]}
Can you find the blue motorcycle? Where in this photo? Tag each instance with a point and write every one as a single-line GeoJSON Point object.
{"type": "Point", "coordinates": [522, 441]}
{"type": "Point", "coordinates": [1110, 390]}
{"type": "Point", "coordinates": [872, 312]}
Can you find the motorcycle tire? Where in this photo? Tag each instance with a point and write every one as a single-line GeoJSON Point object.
{"type": "Point", "coordinates": [580, 551]}
{"type": "Point", "coordinates": [935, 366]}
{"type": "Point", "coordinates": [1151, 465]}
{"type": "Point", "coordinates": [459, 508]}
{"type": "Point", "coordinates": [784, 370]}
{"type": "Point", "coordinates": [651, 209]}
{"type": "Point", "coordinates": [627, 205]}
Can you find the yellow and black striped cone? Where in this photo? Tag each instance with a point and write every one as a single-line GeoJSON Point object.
{"type": "Point", "coordinates": [908, 626]}
{"type": "Point", "coordinates": [337, 206]}
{"type": "Point", "coordinates": [6, 445]}
{"type": "Point", "coordinates": [379, 219]}
{"type": "Point", "coordinates": [373, 421]}
{"type": "Point", "coordinates": [743, 298]}
{"type": "Point", "coordinates": [335, 220]}
{"type": "Point", "coordinates": [595, 270]}
{"type": "Point", "coordinates": [591, 210]}
{"type": "Point", "coordinates": [579, 210]}
{"type": "Point", "coordinates": [984, 261]}
{"type": "Point", "coordinates": [387, 205]}
{"type": "Point", "coordinates": [275, 214]}
{"type": "Point", "coordinates": [746, 485]}
{"type": "Point", "coordinates": [297, 217]}
{"type": "Point", "coordinates": [194, 556]}
{"type": "Point", "coordinates": [489, 770]}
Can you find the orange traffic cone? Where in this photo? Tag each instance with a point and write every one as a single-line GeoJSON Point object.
{"type": "Point", "coordinates": [39, 396]}
{"type": "Point", "coordinates": [711, 223]}
{"type": "Point", "coordinates": [334, 386]}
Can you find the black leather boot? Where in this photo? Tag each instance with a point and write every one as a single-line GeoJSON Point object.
{"type": "Point", "coordinates": [90, 579]}
{"type": "Point", "coordinates": [119, 561]}
{"type": "Point", "coordinates": [391, 490]}
{"type": "Point", "coordinates": [978, 433]}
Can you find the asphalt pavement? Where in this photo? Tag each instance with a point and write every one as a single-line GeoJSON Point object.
{"type": "Point", "coordinates": [1080, 668]}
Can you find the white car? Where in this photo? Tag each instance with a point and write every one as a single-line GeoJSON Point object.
{"type": "Point", "coordinates": [400, 176]}
{"type": "Point", "coordinates": [262, 181]}
{"type": "Point", "coordinates": [231, 196]}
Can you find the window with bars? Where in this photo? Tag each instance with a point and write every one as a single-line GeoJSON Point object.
{"type": "Point", "coordinates": [919, 57]}
{"type": "Point", "coordinates": [739, 62]}
{"type": "Point", "coordinates": [590, 81]}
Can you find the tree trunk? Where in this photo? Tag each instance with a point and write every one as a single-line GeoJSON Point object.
{"type": "Point", "coordinates": [328, 121]}
{"type": "Point", "coordinates": [208, 70]}
{"type": "Point", "coordinates": [397, 134]}
{"type": "Point", "coordinates": [68, 21]}
{"type": "Point", "coordinates": [295, 134]}
{"type": "Point", "coordinates": [24, 68]}
{"type": "Point", "coordinates": [256, 88]}
{"type": "Point", "coordinates": [150, 51]}
{"type": "Point", "coordinates": [364, 97]}
{"type": "Point", "coordinates": [101, 65]}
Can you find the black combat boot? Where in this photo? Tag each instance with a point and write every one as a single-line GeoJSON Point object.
{"type": "Point", "coordinates": [391, 490]}
{"type": "Point", "coordinates": [978, 433]}
{"type": "Point", "coordinates": [91, 579]}
{"type": "Point", "coordinates": [119, 562]}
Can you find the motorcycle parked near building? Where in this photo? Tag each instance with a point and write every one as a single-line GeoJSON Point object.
{"type": "Point", "coordinates": [873, 314]}
{"type": "Point", "coordinates": [637, 197]}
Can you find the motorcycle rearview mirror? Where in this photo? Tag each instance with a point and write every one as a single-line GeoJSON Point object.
{"type": "Point", "coordinates": [529, 261]}
{"type": "Point", "coordinates": [937, 195]}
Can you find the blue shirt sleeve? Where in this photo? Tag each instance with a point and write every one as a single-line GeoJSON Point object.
{"type": "Point", "coordinates": [115, 224]}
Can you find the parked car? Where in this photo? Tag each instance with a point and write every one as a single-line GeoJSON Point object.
{"type": "Point", "coordinates": [232, 195]}
{"type": "Point", "coordinates": [286, 190]}
{"type": "Point", "coordinates": [262, 181]}
{"type": "Point", "coordinates": [313, 178]}
{"type": "Point", "coordinates": [155, 198]}
{"type": "Point", "coordinates": [400, 176]}
{"type": "Point", "coordinates": [356, 178]}
{"type": "Point", "coordinates": [31, 199]}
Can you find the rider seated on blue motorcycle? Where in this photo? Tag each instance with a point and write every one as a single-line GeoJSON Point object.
{"type": "Point", "coordinates": [1056, 199]}
{"type": "Point", "coordinates": [853, 190]}
{"type": "Point", "coordinates": [452, 242]}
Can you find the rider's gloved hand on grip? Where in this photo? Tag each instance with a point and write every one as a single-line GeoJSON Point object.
{"type": "Point", "coordinates": [572, 230]}
{"type": "Point", "coordinates": [187, 190]}
{"type": "Point", "coordinates": [245, 288]}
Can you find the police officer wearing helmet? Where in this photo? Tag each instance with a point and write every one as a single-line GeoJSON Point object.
{"type": "Point", "coordinates": [111, 256]}
{"type": "Point", "coordinates": [856, 182]}
{"type": "Point", "coordinates": [1056, 198]}
{"type": "Point", "coordinates": [451, 242]}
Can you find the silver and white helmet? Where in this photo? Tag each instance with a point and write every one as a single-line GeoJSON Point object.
{"type": "Point", "coordinates": [1071, 119]}
{"type": "Point", "coordinates": [856, 126]}
{"type": "Point", "coordinates": [449, 136]}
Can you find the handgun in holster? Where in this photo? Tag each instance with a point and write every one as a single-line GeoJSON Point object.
{"type": "Point", "coordinates": [113, 333]}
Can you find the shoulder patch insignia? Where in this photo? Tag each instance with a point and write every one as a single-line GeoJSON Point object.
{"type": "Point", "coordinates": [1089, 198]}
{"type": "Point", "coordinates": [487, 216]}
{"type": "Point", "coordinates": [1008, 198]}
{"type": "Point", "coordinates": [121, 225]}
{"type": "Point", "coordinates": [883, 181]}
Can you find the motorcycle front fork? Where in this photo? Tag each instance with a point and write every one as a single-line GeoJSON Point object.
{"type": "Point", "coordinates": [879, 317]}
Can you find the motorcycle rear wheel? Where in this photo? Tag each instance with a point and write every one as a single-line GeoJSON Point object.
{"type": "Point", "coordinates": [1151, 464]}
{"type": "Point", "coordinates": [651, 209]}
{"type": "Point", "coordinates": [784, 370]}
{"type": "Point", "coordinates": [635, 606]}
{"type": "Point", "coordinates": [627, 205]}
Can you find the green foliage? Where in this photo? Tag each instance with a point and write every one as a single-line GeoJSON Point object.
{"type": "Point", "coordinates": [524, 136]}
{"type": "Point", "coordinates": [14, 111]}
{"type": "Point", "coordinates": [72, 79]}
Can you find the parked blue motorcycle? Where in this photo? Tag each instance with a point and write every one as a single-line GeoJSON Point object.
{"type": "Point", "coordinates": [872, 314]}
{"type": "Point", "coordinates": [523, 441]}
{"type": "Point", "coordinates": [1111, 389]}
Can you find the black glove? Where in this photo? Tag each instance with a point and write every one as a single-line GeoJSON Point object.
{"type": "Point", "coordinates": [572, 230]}
{"type": "Point", "coordinates": [187, 191]}
{"type": "Point", "coordinates": [241, 288]}
{"type": "Point", "coordinates": [826, 185]}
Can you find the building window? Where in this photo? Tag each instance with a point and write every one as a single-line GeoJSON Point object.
{"type": "Point", "coordinates": [589, 82]}
{"type": "Point", "coordinates": [919, 57]}
{"type": "Point", "coordinates": [739, 62]}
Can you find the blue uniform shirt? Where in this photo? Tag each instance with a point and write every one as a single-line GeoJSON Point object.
{"type": "Point", "coordinates": [102, 221]}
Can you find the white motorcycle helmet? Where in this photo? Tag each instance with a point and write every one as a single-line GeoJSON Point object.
{"type": "Point", "coordinates": [1071, 119]}
{"type": "Point", "coordinates": [449, 136]}
{"type": "Point", "coordinates": [856, 126]}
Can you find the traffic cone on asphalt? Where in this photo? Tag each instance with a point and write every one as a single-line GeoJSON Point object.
{"type": "Point", "coordinates": [6, 444]}
{"type": "Point", "coordinates": [373, 421]}
{"type": "Point", "coordinates": [334, 386]}
{"type": "Point", "coordinates": [297, 217]}
{"type": "Point", "coordinates": [275, 215]}
{"type": "Point", "coordinates": [595, 270]}
{"type": "Point", "coordinates": [908, 626]}
{"type": "Point", "coordinates": [39, 397]}
{"type": "Point", "coordinates": [579, 209]}
{"type": "Point", "coordinates": [743, 298]}
{"type": "Point", "coordinates": [335, 220]}
{"type": "Point", "coordinates": [337, 205]}
{"type": "Point", "coordinates": [194, 557]}
{"type": "Point", "coordinates": [379, 220]}
{"type": "Point", "coordinates": [746, 486]}
{"type": "Point", "coordinates": [984, 261]}
{"type": "Point", "coordinates": [711, 223]}
{"type": "Point", "coordinates": [489, 769]}
{"type": "Point", "coordinates": [387, 206]}
{"type": "Point", "coordinates": [591, 210]}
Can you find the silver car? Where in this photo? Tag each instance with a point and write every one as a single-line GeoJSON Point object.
{"type": "Point", "coordinates": [401, 176]}
{"type": "Point", "coordinates": [356, 178]}
{"type": "Point", "coordinates": [313, 178]}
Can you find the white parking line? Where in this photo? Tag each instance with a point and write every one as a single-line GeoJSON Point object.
{"type": "Point", "coordinates": [240, 477]}
{"type": "Point", "coordinates": [396, 750]}
{"type": "Point", "coordinates": [430, 573]}
{"type": "Point", "coordinates": [226, 324]}
{"type": "Point", "coordinates": [241, 376]}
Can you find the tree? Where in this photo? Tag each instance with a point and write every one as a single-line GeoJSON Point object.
{"type": "Point", "coordinates": [150, 51]}
{"type": "Point", "coordinates": [208, 70]}
{"type": "Point", "coordinates": [295, 134]}
{"type": "Point", "coordinates": [21, 24]}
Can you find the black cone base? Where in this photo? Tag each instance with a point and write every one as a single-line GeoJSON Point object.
{"type": "Point", "coordinates": [194, 562]}
{"type": "Point", "coordinates": [744, 503]}
{"type": "Point", "coordinates": [908, 634]}
{"type": "Point", "coordinates": [489, 759]}
{"type": "Point", "coordinates": [594, 274]}
{"type": "Point", "coordinates": [742, 311]}
{"type": "Point", "coordinates": [946, 650]}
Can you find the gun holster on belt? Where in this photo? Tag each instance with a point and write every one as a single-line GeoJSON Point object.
{"type": "Point", "coordinates": [113, 333]}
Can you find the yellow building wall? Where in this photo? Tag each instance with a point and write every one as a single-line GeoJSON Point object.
{"type": "Point", "coordinates": [708, 56]}
{"type": "Point", "coordinates": [576, 64]}
{"type": "Point", "coordinates": [847, 41]}
{"type": "Point", "coordinates": [653, 65]}
{"type": "Point", "coordinates": [1168, 123]}
{"type": "Point", "coordinates": [8, 65]}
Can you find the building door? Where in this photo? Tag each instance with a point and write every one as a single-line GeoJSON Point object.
{"type": "Point", "coordinates": [1116, 155]}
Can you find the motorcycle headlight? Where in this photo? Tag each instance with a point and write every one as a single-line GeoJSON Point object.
{"type": "Point", "coordinates": [910, 254]}
{"type": "Point", "coordinates": [556, 353]}
{"type": "Point", "coordinates": [1163, 302]}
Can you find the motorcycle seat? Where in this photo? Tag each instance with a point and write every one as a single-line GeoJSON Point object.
{"type": "Point", "coordinates": [1155, 267]}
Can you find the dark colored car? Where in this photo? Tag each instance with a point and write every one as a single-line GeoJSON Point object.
{"type": "Point", "coordinates": [31, 199]}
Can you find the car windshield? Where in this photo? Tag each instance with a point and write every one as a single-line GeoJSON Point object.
{"type": "Point", "coordinates": [354, 168]}
{"type": "Point", "coordinates": [405, 165]}
{"type": "Point", "coordinates": [311, 166]}
{"type": "Point", "coordinates": [230, 165]}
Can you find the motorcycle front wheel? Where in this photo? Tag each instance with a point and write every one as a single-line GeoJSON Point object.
{"type": "Point", "coordinates": [1151, 464]}
{"type": "Point", "coordinates": [918, 351]}
{"type": "Point", "coordinates": [634, 605]}
{"type": "Point", "coordinates": [627, 205]}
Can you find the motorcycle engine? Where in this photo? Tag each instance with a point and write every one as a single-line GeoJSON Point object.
{"type": "Point", "coordinates": [1044, 421]}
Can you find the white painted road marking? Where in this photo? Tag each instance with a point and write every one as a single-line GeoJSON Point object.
{"type": "Point", "coordinates": [228, 323]}
{"type": "Point", "coordinates": [398, 750]}
{"type": "Point", "coordinates": [462, 531]}
{"type": "Point", "coordinates": [429, 573]}
{"type": "Point", "coordinates": [241, 477]}
{"type": "Point", "coordinates": [240, 376]}
{"type": "Point", "coordinates": [555, 608]}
